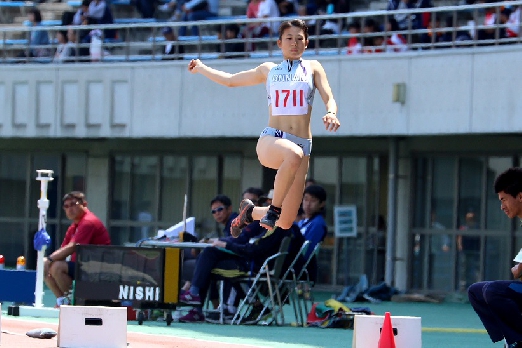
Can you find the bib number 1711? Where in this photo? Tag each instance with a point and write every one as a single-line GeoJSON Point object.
{"type": "Point", "coordinates": [289, 98]}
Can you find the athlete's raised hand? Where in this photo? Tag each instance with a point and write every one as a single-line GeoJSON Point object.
{"type": "Point", "coordinates": [331, 122]}
{"type": "Point", "coordinates": [194, 65]}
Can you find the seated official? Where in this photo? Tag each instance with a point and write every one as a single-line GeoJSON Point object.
{"type": "Point", "coordinates": [225, 216]}
{"type": "Point", "coordinates": [216, 263]}
{"type": "Point", "coordinates": [85, 229]}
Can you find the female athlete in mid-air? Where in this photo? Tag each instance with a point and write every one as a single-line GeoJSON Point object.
{"type": "Point", "coordinates": [286, 143]}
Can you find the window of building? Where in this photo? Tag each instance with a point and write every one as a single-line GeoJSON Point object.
{"type": "Point", "coordinates": [13, 179]}
{"type": "Point", "coordinates": [451, 227]}
{"type": "Point", "coordinates": [148, 193]}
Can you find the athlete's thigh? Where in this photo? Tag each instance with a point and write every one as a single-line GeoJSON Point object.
{"type": "Point", "coordinates": [294, 197]}
{"type": "Point", "coordinates": [271, 151]}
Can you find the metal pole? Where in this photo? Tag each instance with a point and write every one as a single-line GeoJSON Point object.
{"type": "Point", "coordinates": [44, 176]}
{"type": "Point", "coordinates": [392, 210]}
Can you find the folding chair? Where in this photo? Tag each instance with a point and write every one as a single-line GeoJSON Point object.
{"type": "Point", "coordinates": [288, 286]}
{"type": "Point", "coordinates": [269, 277]}
{"type": "Point", "coordinates": [303, 278]}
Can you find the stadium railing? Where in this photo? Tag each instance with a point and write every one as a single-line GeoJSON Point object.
{"type": "Point", "coordinates": [143, 41]}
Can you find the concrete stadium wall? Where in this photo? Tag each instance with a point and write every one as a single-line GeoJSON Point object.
{"type": "Point", "coordinates": [458, 91]}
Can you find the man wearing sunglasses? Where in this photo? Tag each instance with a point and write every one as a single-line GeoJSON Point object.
{"type": "Point", "coordinates": [86, 228]}
{"type": "Point", "coordinates": [221, 210]}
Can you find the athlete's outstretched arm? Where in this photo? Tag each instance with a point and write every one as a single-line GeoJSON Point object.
{"type": "Point", "coordinates": [330, 120]}
{"type": "Point", "coordinates": [244, 78]}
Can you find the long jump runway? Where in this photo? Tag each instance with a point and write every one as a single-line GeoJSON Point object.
{"type": "Point", "coordinates": [14, 336]}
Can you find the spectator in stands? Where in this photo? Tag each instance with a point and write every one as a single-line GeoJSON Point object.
{"type": "Point", "coordinates": [100, 13]}
{"type": "Point", "coordinates": [96, 10]}
{"type": "Point", "coordinates": [370, 28]}
{"type": "Point", "coordinates": [354, 42]}
{"type": "Point", "coordinates": [231, 50]}
{"type": "Point", "coordinates": [171, 49]}
{"type": "Point", "coordinates": [82, 13]}
{"type": "Point", "coordinates": [39, 36]}
{"type": "Point", "coordinates": [251, 28]}
{"type": "Point", "coordinates": [267, 9]}
{"type": "Point", "coordinates": [396, 42]}
{"type": "Point", "coordinates": [64, 51]}
{"type": "Point", "coordinates": [73, 41]}
{"type": "Point", "coordinates": [327, 27]}
{"type": "Point", "coordinates": [513, 22]}
{"type": "Point", "coordinates": [169, 6]}
{"type": "Point", "coordinates": [86, 228]}
{"type": "Point", "coordinates": [490, 19]}
{"type": "Point", "coordinates": [287, 7]}
{"type": "Point", "coordinates": [508, 30]}
{"type": "Point", "coordinates": [198, 10]}
{"type": "Point", "coordinates": [307, 8]}
{"type": "Point", "coordinates": [378, 45]}
{"type": "Point", "coordinates": [452, 36]}
{"type": "Point", "coordinates": [145, 8]}
{"type": "Point", "coordinates": [404, 20]}
{"type": "Point", "coordinates": [433, 35]}
{"type": "Point", "coordinates": [252, 9]}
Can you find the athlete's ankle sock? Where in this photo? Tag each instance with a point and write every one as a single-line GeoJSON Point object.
{"type": "Point", "coordinates": [275, 209]}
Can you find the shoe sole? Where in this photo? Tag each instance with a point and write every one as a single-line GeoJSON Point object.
{"type": "Point", "coordinates": [235, 231]}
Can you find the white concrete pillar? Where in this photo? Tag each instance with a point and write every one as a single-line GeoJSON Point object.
{"type": "Point", "coordinates": [403, 217]}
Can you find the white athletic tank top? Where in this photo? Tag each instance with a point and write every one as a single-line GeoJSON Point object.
{"type": "Point", "coordinates": [290, 88]}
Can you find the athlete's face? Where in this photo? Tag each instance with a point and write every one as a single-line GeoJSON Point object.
{"type": "Point", "coordinates": [292, 43]}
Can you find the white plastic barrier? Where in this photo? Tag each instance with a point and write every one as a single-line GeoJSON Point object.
{"type": "Point", "coordinates": [92, 326]}
{"type": "Point", "coordinates": [367, 331]}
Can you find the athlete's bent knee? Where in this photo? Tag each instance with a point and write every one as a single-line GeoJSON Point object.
{"type": "Point", "coordinates": [293, 159]}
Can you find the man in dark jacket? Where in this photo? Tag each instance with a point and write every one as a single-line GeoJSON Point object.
{"type": "Point", "coordinates": [225, 260]}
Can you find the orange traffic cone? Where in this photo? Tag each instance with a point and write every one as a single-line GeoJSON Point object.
{"type": "Point", "coordinates": [387, 340]}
